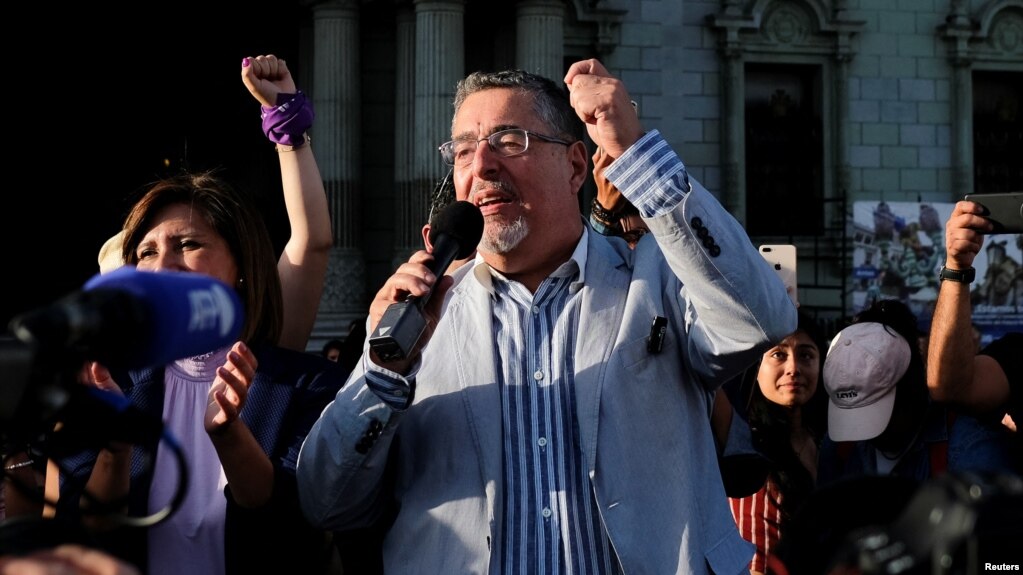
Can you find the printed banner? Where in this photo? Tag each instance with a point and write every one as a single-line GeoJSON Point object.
{"type": "Point", "coordinates": [899, 248]}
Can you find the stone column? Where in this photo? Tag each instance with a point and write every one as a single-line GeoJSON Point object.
{"type": "Point", "coordinates": [842, 178]}
{"type": "Point", "coordinates": [962, 126]}
{"type": "Point", "coordinates": [733, 137]}
{"type": "Point", "coordinates": [336, 132]}
{"type": "Point", "coordinates": [957, 31]}
{"type": "Point", "coordinates": [439, 65]}
{"type": "Point", "coordinates": [410, 205]}
{"type": "Point", "coordinates": [540, 42]}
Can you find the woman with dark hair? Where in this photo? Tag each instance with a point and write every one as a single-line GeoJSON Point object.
{"type": "Point", "coordinates": [780, 411]}
{"type": "Point", "coordinates": [238, 414]}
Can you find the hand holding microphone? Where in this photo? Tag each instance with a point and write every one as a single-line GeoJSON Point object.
{"type": "Point", "coordinates": [454, 235]}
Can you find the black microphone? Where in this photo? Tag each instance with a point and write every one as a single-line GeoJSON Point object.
{"type": "Point", "coordinates": [455, 234]}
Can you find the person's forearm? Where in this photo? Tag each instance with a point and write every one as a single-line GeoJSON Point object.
{"type": "Point", "coordinates": [248, 470]}
{"type": "Point", "coordinates": [303, 264]}
{"type": "Point", "coordinates": [110, 475]}
{"type": "Point", "coordinates": [108, 483]}
{"type": "Point", "coordinates": [340, 475]}
{"type": "Point", "coordinates": [950, 350]}
{"type": "Point", "coordinates": [305, 199]}
{"type": "Point", "coordinates": [741, 305]}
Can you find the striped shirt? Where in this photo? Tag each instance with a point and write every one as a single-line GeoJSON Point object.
{"type": "Point", "coordinates": [551, 521]}
{"type": "Point", "coordinates": [758, 518]}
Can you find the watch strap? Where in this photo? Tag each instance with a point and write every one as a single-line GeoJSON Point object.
{"type": "Point", "coordinates": [960, 276]}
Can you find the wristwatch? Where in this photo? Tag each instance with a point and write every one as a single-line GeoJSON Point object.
{"type": "Point", "coordinates": [961, 276]}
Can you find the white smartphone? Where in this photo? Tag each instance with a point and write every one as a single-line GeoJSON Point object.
{"type": "Point", "coordinates": [782, 258]}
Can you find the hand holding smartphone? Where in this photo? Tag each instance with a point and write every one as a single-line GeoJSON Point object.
{"type": "Point", "coordinates": [782, 258]}
{"type": "Point", "coordinates": [1004, 210]}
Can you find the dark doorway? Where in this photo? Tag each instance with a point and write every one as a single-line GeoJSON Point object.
{"type": "Point", "coordinates": [997, 131]}
{"type": "Point", "coordinates": [784, 150]}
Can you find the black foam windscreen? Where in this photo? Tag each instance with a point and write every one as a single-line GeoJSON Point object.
{"type": "Point", "coordinates": [463, 222]}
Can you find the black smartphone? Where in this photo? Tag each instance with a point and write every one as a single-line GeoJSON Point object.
{"type": "Point", "coordinates": [1004, 210]}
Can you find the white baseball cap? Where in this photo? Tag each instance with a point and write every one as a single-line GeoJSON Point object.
{"type": "Point", "coordinates": [110, 253]}
{"type": "Point", "coordinates": [863, 364]}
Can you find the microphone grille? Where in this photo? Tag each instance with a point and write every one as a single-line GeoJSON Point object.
{"type": "Point", "coordinates": [463, 222]}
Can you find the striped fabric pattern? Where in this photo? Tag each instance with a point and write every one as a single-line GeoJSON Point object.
{"type": "Point", "coordinates": [552, 526]}
{"type": "Point", "coordinates": [758, 518]}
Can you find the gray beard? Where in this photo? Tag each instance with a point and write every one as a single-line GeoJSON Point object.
{"type": "Point", "coordinates": [501, 238]}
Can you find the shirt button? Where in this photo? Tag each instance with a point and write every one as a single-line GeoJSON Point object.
{"type": "Point", "coordinates": [547, 512]}
{"type": "Point", "coordinates": [538, 375]}
{"type": "Point", "coordinates": [536, 309]}
{"type": "Point", "coordinates": [542, 442]}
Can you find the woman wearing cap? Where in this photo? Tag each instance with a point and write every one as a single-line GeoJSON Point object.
{"type": "Point", "coordinates": [779, 413]}
{"type": "Point", "coordinates": [881, 420]}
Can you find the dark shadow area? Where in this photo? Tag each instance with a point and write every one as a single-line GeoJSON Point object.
{"type": "Point", "coordinates": [103, 101]}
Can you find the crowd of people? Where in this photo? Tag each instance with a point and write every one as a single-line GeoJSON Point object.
{"type": "Point", "coordinates": [629, 390]}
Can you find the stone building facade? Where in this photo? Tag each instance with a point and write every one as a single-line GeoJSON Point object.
{"type": "Point", "coordinates": [788, 110]}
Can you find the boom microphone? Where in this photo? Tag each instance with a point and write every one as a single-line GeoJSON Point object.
{"type": "Point", "coordinates": [133, 319]}
{"type": "Point", "coordinates": [454, 235]}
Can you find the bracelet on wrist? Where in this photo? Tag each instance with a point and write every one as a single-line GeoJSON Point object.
{"type": "Point", "coordinates": [602, 228]}
{"type": "Point", "coordinates": [305, 140]}
{"type": "Point", "coordinates": [605, 216]}
{"type": "Point", "coordinates": [19, 465]}
{"type": "Point", "coordinates": [287, 122]}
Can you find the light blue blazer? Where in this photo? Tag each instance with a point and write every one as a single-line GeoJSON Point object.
{"type": "Point", "coordinates": [643, 418]}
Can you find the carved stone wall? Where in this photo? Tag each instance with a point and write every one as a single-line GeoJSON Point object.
{"type": "Point", "coordinates": [990, 39]}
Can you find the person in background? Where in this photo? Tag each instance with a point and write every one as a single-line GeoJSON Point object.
{"type": "Point", "coordinates": [287, 115]}
{"type": "Point", "coordinates": [332, 349]}
{"type": "Point", "coordinates": [881, 419]}
{"type": "Point", "coordinates": [351, 350]}
{"type": "Point", "coordinates": [540, 425]}
{"type": "Point", "coordinates": [781, 412]}
{"type": "Point", "coordinates": [989, 383]}
{"type": "Point", "coordinates": [241, 412]}
{"type": "Point", "coordinates": [303, 263]}
{"type": "Point", "coordinates": [611, 213]}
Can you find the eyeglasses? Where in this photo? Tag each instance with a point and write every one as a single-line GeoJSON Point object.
{"type": "Point", "coordinates": [506, 143]}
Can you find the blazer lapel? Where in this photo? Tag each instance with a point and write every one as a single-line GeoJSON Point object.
{"type": "Point", "coordinates": [600, 315]}
{"type": "Point", "coordinates": [472, 331]}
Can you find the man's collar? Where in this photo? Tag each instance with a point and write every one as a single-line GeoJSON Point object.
{"type": "Point", "coordinates": [575, 265]}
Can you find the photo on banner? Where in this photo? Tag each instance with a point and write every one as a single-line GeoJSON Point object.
{"type": "Point", "coordinates": [898, 248]}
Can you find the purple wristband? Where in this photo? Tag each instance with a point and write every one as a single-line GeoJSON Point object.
{"type": "Point", "coordinates": [287, 123]}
